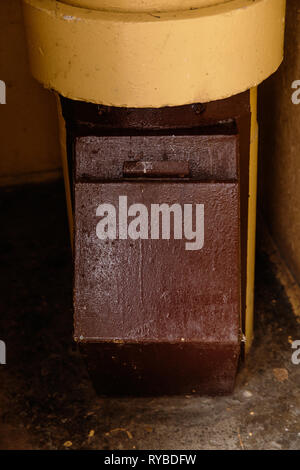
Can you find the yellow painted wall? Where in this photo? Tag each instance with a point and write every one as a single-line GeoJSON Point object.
{"type": "Point", "coordinates": [29, 144]}
{"type": "Point", "coordinates": [280, 148]}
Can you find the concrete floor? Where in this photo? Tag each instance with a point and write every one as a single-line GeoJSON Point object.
{"type": "Point", "coordinates": [46, 398]}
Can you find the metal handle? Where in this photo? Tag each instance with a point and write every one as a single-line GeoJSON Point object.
{"type": "Point", "coordinates": [156, 169]}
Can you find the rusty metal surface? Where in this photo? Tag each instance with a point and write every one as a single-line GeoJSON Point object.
{"type": "Point", "coordinates": [233, 114]}
{"type": "Point", "coordinates": [92, 117]}
{"type": "Point", "coordinates": [157, 290]}
{"type": "Point", "coordinates": [208, 156]}
{"type": "Point", "coordinates": [128, 347]}
{"type": "Point", "coordinates": [144, 169]}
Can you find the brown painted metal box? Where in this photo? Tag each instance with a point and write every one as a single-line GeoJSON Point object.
{"type": "Point", "coordinates": [157, 260]}
{"type": "Point", "coordinates": [159, 288]}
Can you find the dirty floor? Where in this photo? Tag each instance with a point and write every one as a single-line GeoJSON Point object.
{"type": "Point", "coordinates": [46, 398]}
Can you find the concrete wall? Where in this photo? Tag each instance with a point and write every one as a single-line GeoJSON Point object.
{"type": "Point", "coordinates": [29, 145]}
{"type": "Point", "coordinates": [279, 119]}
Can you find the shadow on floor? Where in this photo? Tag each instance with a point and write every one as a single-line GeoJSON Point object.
{"type": "Point", "coordinates": [46, 398]}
